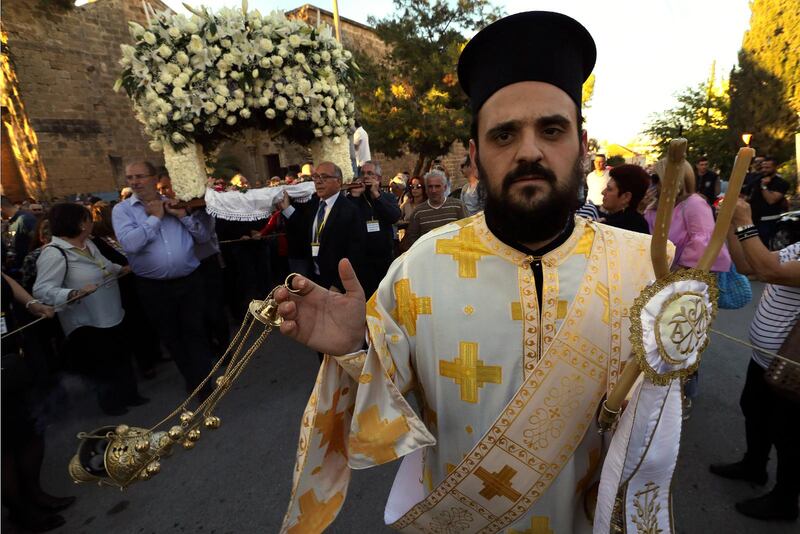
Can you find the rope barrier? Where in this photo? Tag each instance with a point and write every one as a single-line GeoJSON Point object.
{"type": "Point", "coordinates": [757, 349]}
{"type": "Point", "coordinates": [64, 305]}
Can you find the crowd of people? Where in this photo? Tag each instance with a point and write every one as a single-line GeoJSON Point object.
{"type": "Point", "coordinates": [139, 268]}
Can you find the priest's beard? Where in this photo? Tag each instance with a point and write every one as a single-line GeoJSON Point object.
{"type": "Point", "coordinates": [527, 216]}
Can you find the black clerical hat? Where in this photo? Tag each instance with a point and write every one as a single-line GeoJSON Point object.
{"type": "Point", "coordinates": [532, 46]}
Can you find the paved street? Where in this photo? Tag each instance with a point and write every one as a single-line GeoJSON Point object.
{"type": "Point", "coordinates": [238, 478]}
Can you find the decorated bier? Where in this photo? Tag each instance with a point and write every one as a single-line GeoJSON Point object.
{"type": "Point", "coordinates": [200, 80]}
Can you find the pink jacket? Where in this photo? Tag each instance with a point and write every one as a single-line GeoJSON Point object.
{"type": "Point", "coordinates": [690, 231]}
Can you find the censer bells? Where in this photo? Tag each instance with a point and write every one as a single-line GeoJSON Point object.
{"type": "Point", "coordinates": [120, 455]}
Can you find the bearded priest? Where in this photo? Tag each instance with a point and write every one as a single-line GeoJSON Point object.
{"type": "Point", "coordinates": [509, 326]}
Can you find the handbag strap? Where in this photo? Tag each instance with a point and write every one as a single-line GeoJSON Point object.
{"type": "Point", "coordinates": [790, 349]}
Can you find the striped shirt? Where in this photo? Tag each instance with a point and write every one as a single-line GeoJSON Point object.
{"type": "Point", "coordinates": [588, 211]}
{"type": "Point", "coordinates": [426, 218]}
{"type": "Point", "coordinates": [777, 312]}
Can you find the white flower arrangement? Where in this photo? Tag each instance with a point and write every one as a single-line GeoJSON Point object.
{"type": "Point", "coordinates": [205, 78]}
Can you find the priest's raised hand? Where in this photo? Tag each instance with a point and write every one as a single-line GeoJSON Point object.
{"type": "Point", "coordinates": [324, 320]}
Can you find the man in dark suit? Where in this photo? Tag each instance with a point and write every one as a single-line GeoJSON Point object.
{"type": "Point", "coordinates": [327, 228]}
{"type": "Point", "coordinates": [379, 211]}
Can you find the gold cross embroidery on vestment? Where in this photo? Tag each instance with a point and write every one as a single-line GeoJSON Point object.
{"type": "Point", "coordinates": [331, 425]}
{"type": "Point", "coordinates": [602, 291]}
{"type": "Point", "coordinates": [540, 524]}
{"type": "Point", "coordinates": [409, 306]}
{"type": "Point", "coordinates": [376, 436]}
{"type": "Point", "coordinates": [499, 483]}
{"type": "Point", "coordinates": [314, 515]}
{"type": "Point", "coordinates": [469, 372]}
{"type": "Point", "coordinates": [466, 249]}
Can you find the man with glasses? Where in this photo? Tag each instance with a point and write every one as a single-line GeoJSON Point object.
{"type": "Point", "coordinates": [328, 227]}
{"type": "Point", "coordinates": [159, 240]}
{"type": "Point", "coordinates": [379, 212]}
{"type": "Point", "coordinates": [437, 211]}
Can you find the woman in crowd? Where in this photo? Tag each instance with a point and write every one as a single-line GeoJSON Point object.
{"type": "Point", "coordinates": [690, 231]}
{"type": "Point", "coordinates": [626, 187]}
{"type": "Point", "coordinates": [414, 197]}
{"type": "Point", "coordinates": [769, 418]}
{"type": "Point", "coordinates": [72, 268]}
{"type": "Point", "coordinates": [144, 339]}
{"type": "Point", "coordinates": [30, 507]}
{"type": "Point", "coordinates": [41, 237]}
{"type": "Point", "coordinates": [473, 194]}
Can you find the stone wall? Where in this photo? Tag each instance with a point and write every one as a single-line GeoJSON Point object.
{"type": "Point", "coordinates": [67, 63]}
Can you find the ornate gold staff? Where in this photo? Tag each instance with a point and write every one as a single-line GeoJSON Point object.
{"type": "Point", "coordinates": [119, 456]}
{"type": "Point", "coordinates": [698, 317]}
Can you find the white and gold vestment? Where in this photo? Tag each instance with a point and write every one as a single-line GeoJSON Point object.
{"type": "Point", "coordinates": [508, 391]}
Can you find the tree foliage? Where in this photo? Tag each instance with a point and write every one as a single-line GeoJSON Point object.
{"type": "Point", "coordinates": [409, 100]}
{"type": "Point", "coordinates": [701, 117]}
{"type": "Point", "coordinates": [765, 87]}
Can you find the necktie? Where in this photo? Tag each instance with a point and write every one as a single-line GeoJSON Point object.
{"type": "Point", "coordinates": [320, 218]}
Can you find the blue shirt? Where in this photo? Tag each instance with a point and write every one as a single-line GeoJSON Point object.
{"type": "Point", "coordinates": [163, 248]}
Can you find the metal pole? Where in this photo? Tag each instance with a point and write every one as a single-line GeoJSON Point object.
{"type": "Point", "coordinates": [336, 20]}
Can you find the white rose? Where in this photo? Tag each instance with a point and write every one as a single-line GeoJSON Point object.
{"type": "Point", "coordinates": [283, 51]}
{"type": "Point", "coordinates": [236, 75]}
{"type": "Point", "coordinates": [300, 58]}
{"type": "Point", "coordinates": [156, 146]}
{"type": "Point", "coordinates": [190, 27]}
{"type": "Point", "coordinates": [338, 130]}
{"type": "Point", "coordinates": [176, 116]}
{"type": "Point", "coordinates": [178, 92]}
{"type": "Point", "coordinates": [281, 103]}
{"type": "Point", "coordinates": [265, 62]}
{"type": "Point", "coordinates": [317, 132]}
{"type": "Point", "coordinates": [212, 121]}
{"type": "Point", "coordinates": [302, 115]}
{"type": "Point", "coordinates": [173, 69]}
{"type": "Point", "coordinates": [340, 104]}
{"type": "Point", "coordinates": [195, 45]}
{"type": "Point", "coordinates": [336, 54]}
{"type": "Point", "coordinates": [270, 113]}
{"type": "Point", "coordinates": [209, 107]}
{"type": "Point", "coordinates": [327, 130]}
{"type": "Point", "coordinates": [277, 61]}
{"type": "Point", "coordinates": [159, 87]}
{"type": "Point", "coordinates": [288, 89]}
{"type": "Point", "coordinates": [220, 100]}
{"type": "Point", "coordinates": [223, 65]}
{"type": "Point", "coordinates": [294, 41]}
{"type": "Point", "coordinates": [222, 113]}
{"type": "Point", "coordinates": [222, 89]}
{"type": "Point", "coordinates": [326, 56]}
{"type": "Point", "coordinates": [189, 127]}
{"type": "Point", "coordinates": [174, 32]}
{"type": "Point", "coordinates": [230, 105]}
{"type": "Point", "coordinates": [182, 57]}
{"type": "Point", "coordinates": [263, 101]}
{"type": "Point", "coordinates": [290, 113]}
{"type": "Point", "coordinates": [245, 113]}
{"type": "Point", "coordinates": [328, 101]}
{"type": "Point", "coordinates": [165, 77]}
{"type": "Point", "coordinates": [161, 119]}
{"type": "Point", "coordinates": [149, 38]}
{"type": "Point", "coordinates": [298, 101]}
{"type": "Point", "coordinates": [254, 74]}
{"type": "Point", "coordinates": [178, 138]}
{"type": "Point", "coordinates": [288, 122]}
{"type": "Point", "coordinates": [266, 45]}
{"type": "Point", "coordinates": [238, 94]}
{"type": "Point", "coordinates": [315, 58]}
{"type": "Point", "coordinates": [231, 120]}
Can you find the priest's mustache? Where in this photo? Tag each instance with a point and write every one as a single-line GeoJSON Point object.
{"type": "Point", "coordinates": [529, 169]}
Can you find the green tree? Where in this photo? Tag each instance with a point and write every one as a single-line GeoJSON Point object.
{"type": "Point", "coordinates": [409, 100]}
{"type": "Point", "coordinates": [701, 117]}
{"type": "Point", "coordinates": [765, 87]}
